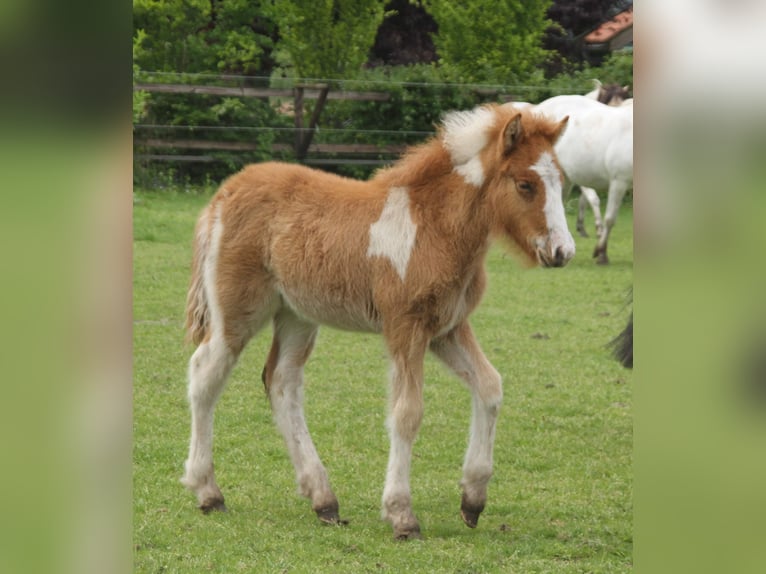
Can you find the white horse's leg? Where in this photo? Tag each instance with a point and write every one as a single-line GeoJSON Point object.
{"type": "Point", "coordinates": [405, 416]}
{"type": "Point", "coordinates": [209, 368]}
{"type": "Point", "coordinates": [283, 377]}
{"type": "Point", "coordinates": [617, 191]}
{"type": "Point", "coordinates": [460, 351]}
{"type": "Point", "coordinates": [590, 197]}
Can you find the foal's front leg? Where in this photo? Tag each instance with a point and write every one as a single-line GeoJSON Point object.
{"type": "Point", "coordinates": [460, 351]}
{"type": "Point", "coordinates": [406, 414]}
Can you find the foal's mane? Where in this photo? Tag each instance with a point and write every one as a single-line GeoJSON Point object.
{"type": "Point", "coordinates": [460, 136]}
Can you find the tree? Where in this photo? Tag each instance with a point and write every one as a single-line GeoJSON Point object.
{"type": "Point", "coordinates": [327, 38]}
{"type": "Point", "coordinates": [490, 41]}
{"type": "Point", "coordinates": [405, 36]}
{"type": "Point", "coordinates": [202, 36]}
{"type": "Point", "coordinates": [228, 36]}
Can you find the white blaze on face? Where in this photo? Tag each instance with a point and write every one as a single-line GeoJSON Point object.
{"type": "Point", "coordinates": [558, 231]}
{"type": "Point", "coordinates": [393, 234]}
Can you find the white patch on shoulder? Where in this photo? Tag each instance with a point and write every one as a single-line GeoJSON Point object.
{"type": "Point", "coordinates": [393, 234]}
{"type": "Point", "coordinates": [465, 135]}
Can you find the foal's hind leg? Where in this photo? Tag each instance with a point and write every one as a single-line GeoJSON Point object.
{"type": "Point", "coordinates": [283, 378]}
{"type": "Point", "coordinates": [460, 351]}
{"type": "Point", "coordinates": [209, 368]}
{"type": "Point", "coordinates": [230, 328]}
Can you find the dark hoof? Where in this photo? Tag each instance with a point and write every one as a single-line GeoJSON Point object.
{"type": "Point", "coordinates": [471, 519]}
{"type": "Point", "coordinates": [582, 232]}
{"type": "Point", "coordinates": [600, 257]}
{"type": "Point", "coordinates": [329, 515]}
{"type": "Point", "coordinates": [470, 513]}
{"type": "Point", "coordinates": [213, 505]}
{"type": "Point", "coordinates": [412, 533]}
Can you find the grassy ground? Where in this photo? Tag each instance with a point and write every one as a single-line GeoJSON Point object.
{"type": "Point", "coordinates": [560, 499]}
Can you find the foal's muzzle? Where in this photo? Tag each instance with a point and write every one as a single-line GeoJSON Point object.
{"type": "Point", "coordinates": [556, 251]}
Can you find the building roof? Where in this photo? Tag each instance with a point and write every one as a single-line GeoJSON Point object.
{"type": "Point", "coordinates": [608, 30]}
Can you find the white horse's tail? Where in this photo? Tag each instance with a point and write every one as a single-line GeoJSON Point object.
{"type": "Point", "coordinates": [197, 310]}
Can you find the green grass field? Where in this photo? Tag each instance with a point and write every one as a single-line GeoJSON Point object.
{"type": "Point", "coordinates": [560, 500]}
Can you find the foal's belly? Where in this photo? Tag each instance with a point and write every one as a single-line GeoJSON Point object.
{"type": "Point", "coordinates": [335, 311]}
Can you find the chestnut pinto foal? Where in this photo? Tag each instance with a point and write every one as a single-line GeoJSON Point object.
{"type": "Point", "coordinates": [401, 254]}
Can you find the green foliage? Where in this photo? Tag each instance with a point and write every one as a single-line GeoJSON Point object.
{"type": "Point", "coordinates": [480, 43]}
{"type": "Point", "coordinates": [196, 36]}
{"type": "Point", "coordinates": [419, 95]}
{"type": "Point", "coordinates": [615, 69]}
{"type": "Point", "coordinates": [490, 41]}
{"type": "Point", "coordinates": [560, 498]}
{"type": "Point", "coordinates": [230, 36]}
{"type": "Point", "coordinates": [327, 38]}
{"type": "Point", "coordinates": [140, 98]}
{"type": "Point", "coordinates": [213, 118]}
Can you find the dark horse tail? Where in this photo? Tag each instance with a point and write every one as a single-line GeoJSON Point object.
{"type": "Point", "coordinates": [622, 345]}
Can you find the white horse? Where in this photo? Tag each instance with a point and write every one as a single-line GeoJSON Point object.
{"type": "Point", "coordinates": [596, 153]}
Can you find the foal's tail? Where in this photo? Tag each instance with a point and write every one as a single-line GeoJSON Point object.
{"type": "Point", "coordinates": [197, 311]}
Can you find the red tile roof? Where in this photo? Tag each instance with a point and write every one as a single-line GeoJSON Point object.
{"type": "Point", "coordinates": [608, 30]}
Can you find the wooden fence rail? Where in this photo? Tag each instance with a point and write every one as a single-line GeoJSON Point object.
{"type": "Point", "coordinates": [310, 91]}
{"type": "Point", "coordinates": [303, 134]}
{"type": "Point", "coordinates": [247, 146]}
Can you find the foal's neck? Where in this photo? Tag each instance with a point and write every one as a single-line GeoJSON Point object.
{"type": "Point", "coordinates": [440, 198]}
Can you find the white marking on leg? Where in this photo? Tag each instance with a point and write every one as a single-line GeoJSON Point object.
{"type": "Point", "coordinates": [296, 339]}
{"type": "Point", "coordinates": [478, 463]}
{"type": "Point", "coordinates": [405, 417]}
{"type": "Point", "coordinates": [558, 232]}
{"type": "Point", "coordinates": [393, 235]}
{"type": "Point", "coordinates": [209, 368]}
{"type": "Point", "coordinates": [397, 487]}
{"type": "Point", "coordinates": [461, 353]}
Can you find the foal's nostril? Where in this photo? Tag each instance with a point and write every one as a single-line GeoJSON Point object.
{"type": "Point", "coordinates": [558, 258]}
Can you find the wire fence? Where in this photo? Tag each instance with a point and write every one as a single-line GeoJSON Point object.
{"type": "Point", "coordinates": [369, 123]}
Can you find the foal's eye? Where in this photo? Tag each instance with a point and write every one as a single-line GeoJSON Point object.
{"type": "Point", "coordinates": [526, 189]}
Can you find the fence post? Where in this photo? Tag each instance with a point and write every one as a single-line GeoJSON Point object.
{"type": "Point", "coordinates": [304, 137]}
{"type": "Point", "coordinates": [298, 106]}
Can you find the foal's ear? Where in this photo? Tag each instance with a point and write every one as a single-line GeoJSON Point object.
{"type": "Point", "coordinates": [512, 133]}
{"type": "Point", "coordinates": [560, 129]}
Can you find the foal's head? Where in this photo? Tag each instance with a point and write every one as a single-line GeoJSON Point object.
{"type": "Point", "coordinates": [509, 156]}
